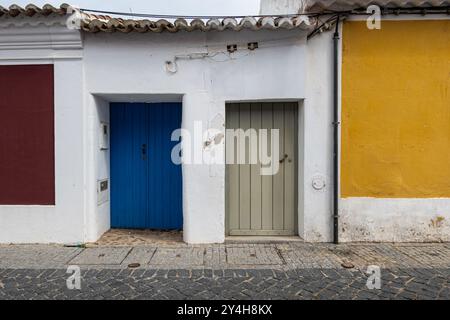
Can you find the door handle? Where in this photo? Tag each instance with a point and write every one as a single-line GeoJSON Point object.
{"type": "Point", "coordinates": [284, 158]}
{"type": "Point", "coordinates": [144, 151]}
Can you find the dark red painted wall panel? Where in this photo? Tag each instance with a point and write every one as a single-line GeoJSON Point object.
{"type": "Point", "coordinates": [27, 165]}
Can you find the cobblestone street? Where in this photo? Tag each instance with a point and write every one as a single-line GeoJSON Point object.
{"type": "Point", "coordinates": [292, 270]}
{"type": "Point", "coordinates": [224, 284]}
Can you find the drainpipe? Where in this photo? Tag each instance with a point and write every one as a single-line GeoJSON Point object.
{"type": "Point", "coordinates": [336, 123]}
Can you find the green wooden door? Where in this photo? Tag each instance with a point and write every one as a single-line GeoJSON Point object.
{"type": "Point", "coordinates": [259, 204]}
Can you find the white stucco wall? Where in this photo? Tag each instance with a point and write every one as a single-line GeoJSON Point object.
{"type": "Point", "coordinates": [63, 222]}
{"type": "Point", "coordinates": [108, 67]}
{"type": "Point", "coordinates": [316, 137]}
{"type": "Point", "coordinates": [97, 215]}
{"type": "Point", "coordinates": [133, 65]}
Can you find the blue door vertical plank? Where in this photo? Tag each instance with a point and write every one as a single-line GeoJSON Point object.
{"type": "Point", "coordinates": [167, 181]}
{"type": "Point", "coordinates": [162, 166]}
{"type": "Point", "coordinates": [153, 178]}
{"type": "Point", "coordinates": [126, 186]}
{"type": "Point", "coordinates": [146, 186]}
{"type": "Point", "coordinates": [119, 163]}
{"type": "Point", "coordinates": [170, 192]}
{"type": "Point", "coordinates": [175, 172]}
{"type": "Point", "coordinates": [177, 216]}
{"type": "Point", "coordinates": [114, 118]}
{"type": "Point", "coordinates": [152, 188]}
{"type": "Point", "coordinates": [140, 165]}
{"type": "Point", "coordinates": [166, 121]}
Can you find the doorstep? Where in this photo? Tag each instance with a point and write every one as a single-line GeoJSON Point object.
{"type": "Point", "coordinates": [262, 239]}
{"type": "Point", "coordinates": [135, 237]}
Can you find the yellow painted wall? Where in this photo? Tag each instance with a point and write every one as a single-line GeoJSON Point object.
{"type": "Point", "coordinates": [396, 110]}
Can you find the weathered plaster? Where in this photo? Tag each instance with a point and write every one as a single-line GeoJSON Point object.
{"type": "Point", "coordinates": [395, 220]}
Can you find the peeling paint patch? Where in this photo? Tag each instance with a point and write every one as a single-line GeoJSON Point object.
{"type": "Point", "coordinates": [437, 222]}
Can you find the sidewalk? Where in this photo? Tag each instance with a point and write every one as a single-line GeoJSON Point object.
{"type": "Point", "coordinates": [283, 256]}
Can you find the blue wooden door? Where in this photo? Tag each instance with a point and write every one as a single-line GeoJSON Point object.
{"type": "Point", "coordinates": [146, 189]}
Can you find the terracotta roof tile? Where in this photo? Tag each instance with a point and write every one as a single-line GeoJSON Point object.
{"type": "Point", "coordinates": [31, 9]}
{"type": "Point", "coordinates": [128, 25]}
{"type": "Point", "coordinates": [103, 23]}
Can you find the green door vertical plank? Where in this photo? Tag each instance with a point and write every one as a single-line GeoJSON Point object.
{"type": "Point", "coordinates": [266, 189]}
{"type": "Point", "coordinates": [244, 170]}
{"type": "Point", "coordinates": [232, 174]}
{"type": "Point", "coordinates": [255, 180]}
{"type": "Point", "coordinates": [289, 166]}
{"type": "Point", "coordinates": [278, 178]}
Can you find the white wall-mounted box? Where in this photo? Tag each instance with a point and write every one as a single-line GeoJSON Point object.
{"type": "Point", "coordinates": [102, 191]}
{"type": "Point", "coordinates": [104, 136]}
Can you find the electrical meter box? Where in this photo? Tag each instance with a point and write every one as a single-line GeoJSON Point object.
{"type": "Point", "coordinates": [104, 136]}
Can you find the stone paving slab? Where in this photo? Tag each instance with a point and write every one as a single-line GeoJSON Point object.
{"type": "Point", "coordinates": [382, 255]}
{"type": "Point", "coordinates": [310, 256]}
{"type": "Point", "coordinates": [140, 255]}
{"type": "Point", "coordinates": [179, 257]}
{"type": "Point", "coordinates": [36, 256]}
{"type": "Point", "coordinates": [435, 255]}
{"type": "Point", "coordinates": [253, 255]}
{"type": "Point", "coordinates": [215, 256]}
{"type": "Point", "coordinates": [101, 256]}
